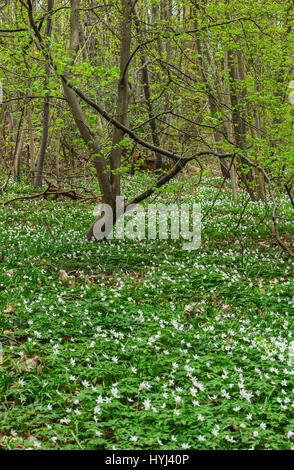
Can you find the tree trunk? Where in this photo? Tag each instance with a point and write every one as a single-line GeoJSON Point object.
{"type": "Point", "coordinates": [19, 148]}
{"type": "Point", "coordinates": [122, 93]}
{"type": "Point", "coordinates": [31, 139]}
{"type": "Point", "coordinates": [46, 112]}
{"type": "Point", "coordinates": [238, 119]}
{"type": "Point", "coordinates": [147, 93]}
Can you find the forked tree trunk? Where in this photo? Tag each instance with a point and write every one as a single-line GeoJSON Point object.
{"type": "Point", "coordinates": [80, 119]}
{"type": "Point", "coordinates": [73, 94]}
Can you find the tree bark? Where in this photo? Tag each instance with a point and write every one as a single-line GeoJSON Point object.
{"type": "Point", "coordinates": [19, 148]}
{"type": "Point", "coordinates": [147, 93]}
{"type": "Point", "coordinates": [238, 119]}
{"type": "Point", "coordinates": [46, 112]}
{"type": "Point", "coordinates": [85, 131]}
{"type": "Point", "coordinates": [122, 96]}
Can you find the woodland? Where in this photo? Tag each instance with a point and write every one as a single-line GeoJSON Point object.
{"type": "Point", "coordinates": [133, 343]}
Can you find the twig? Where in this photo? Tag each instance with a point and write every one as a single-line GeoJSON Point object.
{"type": "Point", "coordinates": [10, 339]}
{"type": "Point", "coordinates": [278, 257]}
{"type": "Point", "coordinates": [49, 229]}
{"type": "Point", "coordinates": [33, 196]}
{"type": "Point", "coordinates": [56, 191]}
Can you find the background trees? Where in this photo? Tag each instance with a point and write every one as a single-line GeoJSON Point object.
{"type": "Point", "coordinates": [90, 86]}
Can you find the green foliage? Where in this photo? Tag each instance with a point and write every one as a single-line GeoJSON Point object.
{"type": "Point", "coordinates": [144, 346]}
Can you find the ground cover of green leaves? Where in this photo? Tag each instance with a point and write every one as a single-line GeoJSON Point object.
{"type": "Point", "coordinates": [127, 345]}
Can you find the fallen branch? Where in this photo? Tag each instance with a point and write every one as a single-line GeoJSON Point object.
{"type": "Point", "coordinates": [33, 196]}
{"type": "Point", "coordinates": [56, 192]}
{"type": "Point", "coordinates": [10, 339]}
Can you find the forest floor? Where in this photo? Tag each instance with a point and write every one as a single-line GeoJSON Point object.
{"type": "Point", "coordinates": [143, 345]}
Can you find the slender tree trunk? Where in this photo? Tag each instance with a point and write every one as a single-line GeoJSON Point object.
{"type": "Point", "coordinates": [31, 139]}
{"type": "Point", "coordinates": [19, 149]}
{"type": "Point", "coordinates": [230, 136]}
{"type": "Point", "coordinates": [46, 112]}
{"type": "Point", "coordinates": [238, 120]}
{"type": "Point", "coordinates": [257, 134]}
{"type": "Point", "coordinates": [122, 100]}
{"type": "Point", "coordinates": [212, 101]}
{"type": "Point", "coordinates": [147, 93]}
{"type": "Point", "coordinates": [164, 13]}
{"type": "Point", "coordinates": [57, 155]}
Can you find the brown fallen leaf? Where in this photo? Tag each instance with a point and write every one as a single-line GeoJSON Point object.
{"type": "Point", "coordinates": [9, 309]}
{"type": "Point", "coordinates": [234, 427]}
{"type": "Point", "coordinates": [31, 363]}
{"type": "Point", "coordinates": [10, 272]}
{"type": "Point", "coordinates": [62, 274]}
